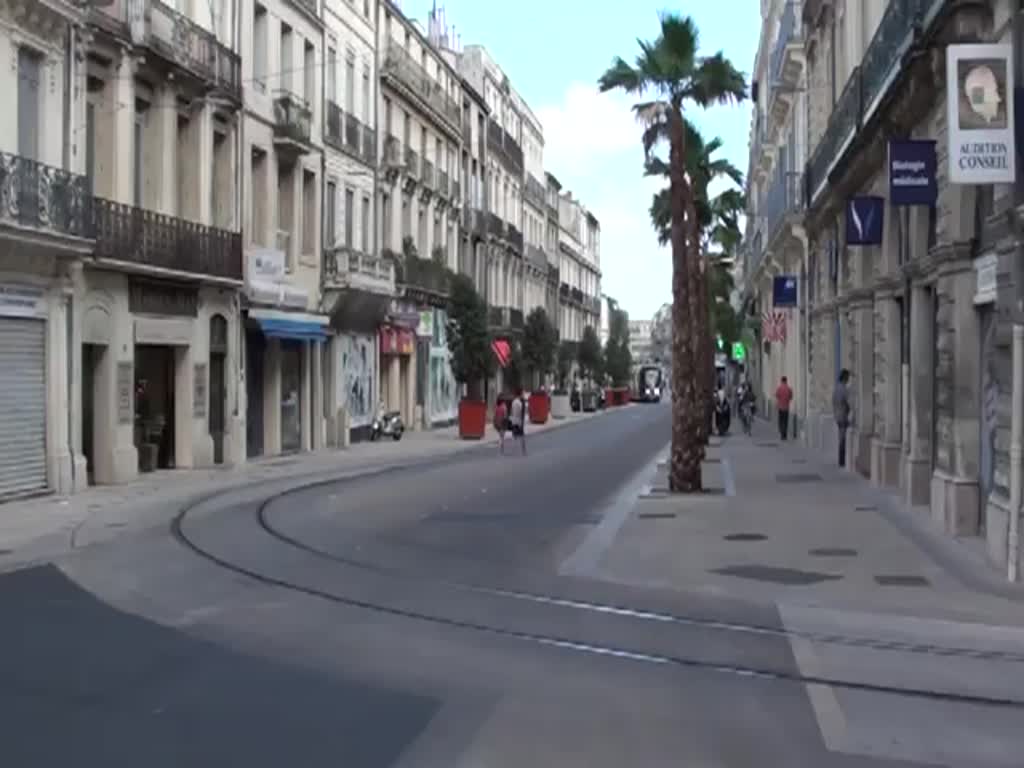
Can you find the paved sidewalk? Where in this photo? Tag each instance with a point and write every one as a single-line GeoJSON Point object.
{"type": "Point", "coordinates": [44, 528]}
{"type": "Point", "coordinates": [782, 527]}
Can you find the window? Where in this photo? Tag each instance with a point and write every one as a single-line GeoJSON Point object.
{"type": "Point", "coordinates": [367, 98]}
{"type": "Point", "coordinates": [387, 116]}
{"type": "Point", "coordinates": [309, 64]}
{"type": "Point", "coordinates": [332, 75]}
{"type": "Point", "coordinates": [385, 219]}
{"type": "Point", "coordinates": [137, 164]}
{"type": "Point", "coordinates": [259, 47]}
{"type": "Point", "coordinates": [90, 146]}
{"type": "Point", "coordinates": [349, 217]}
{"type": "Point", "coordinates": [30, 69]}
{"type": "Point", "coordinates": [287, 58]}
{"type": "Point", "coordinates": [350, 83]}
{"type": "Point", "coordinates": [332, 213]}
{"type": "Point", "coordinates": [308, 212]}
{"type": "Point", "coordinates": [258, 197]}
{"type": "Point", "coordinates": [364, 229]}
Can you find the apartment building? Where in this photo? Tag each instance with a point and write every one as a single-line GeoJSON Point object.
{"type": "Point", "coordinates": [421, 128]}
{"type": "Point", "coordinates": [552, 193]}
{"type": "Point", "coordinates": [775, 198]}
{"type": "Point", "coordinates": [473, 259]}
{"type": "Point", "coordinates": [358, 280]}
{"type": "Point", "coordinates": [535, 262]}
{"type": "Point", "coordinates": [282, 166]}
{"type": "Point", "coordinates": [156, 352]}
{"type": "Point", "coordinates": [641, 343]}
{"type": "Point", "coordinates": [579, 247]}
{"type": "Point", "coordinates": [46, 231]}
{"type": "Point", "coordinates": [913, 277]}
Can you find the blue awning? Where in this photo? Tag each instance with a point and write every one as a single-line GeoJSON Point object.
{"type": "Point", "coordinates": [297, 330]}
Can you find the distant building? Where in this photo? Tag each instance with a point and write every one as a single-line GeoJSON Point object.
{"type": "Point", "coordinates": [640, 347]}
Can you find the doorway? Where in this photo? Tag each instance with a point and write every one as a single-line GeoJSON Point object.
{"type": "Point", "coordinates": [91, 356]}
{"type": "Point", "coordinates": [255, 355]}
{"type": "Point", "coordinates": [154, 406]}
{"type": "Point", "coordinates": [218, 388]}
{"type": "Point", "coordinates": [292, 406]}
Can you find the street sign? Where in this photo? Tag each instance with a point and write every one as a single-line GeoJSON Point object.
{"type": "Point", "coordinates": [739, 352]}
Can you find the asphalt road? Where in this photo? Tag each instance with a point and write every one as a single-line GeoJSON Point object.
{"type": "Point", "coordinates": [422, 616]}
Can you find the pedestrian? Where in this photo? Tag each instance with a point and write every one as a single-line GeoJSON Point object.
{"type": "Point", "coordinates": [783, 399]}
{"type": "Point", "coordinates": [501, 422]}
{"type": "Point", "coordinates": [841, 411]}
{"type": "Point", "coordinates": [517, 419]}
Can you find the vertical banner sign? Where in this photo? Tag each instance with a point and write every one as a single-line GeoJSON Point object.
{"type": "Point", "coordinates": [784, 291]}
{"type": "Point", "coordinates": [864, 220]}
{"type": "Point", "coordinates": [979, 99]}
{"type": "Point", "coordinates": [912, 166]}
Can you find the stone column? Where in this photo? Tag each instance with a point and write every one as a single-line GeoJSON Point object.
{"type": "Point", "coordinates": [918, 469]}
{"type": "Point", "coordinates": [272, 398]}
{"type": "Point", "coordinates": [330, 393]}
{"type": "Point", "coordinates": [165, 161]}
{"type": "Point", "coordinates": [58, 454]}
{"type": "Point", "coordinates": [885, 446]}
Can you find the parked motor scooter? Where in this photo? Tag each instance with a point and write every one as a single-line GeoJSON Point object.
{"type": "Point", "coordinates": [388, 425]}
{"type": "Point", "coordinates": [723, 414]}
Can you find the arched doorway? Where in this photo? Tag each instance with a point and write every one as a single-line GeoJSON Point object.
{"type": "Point", "coordinates": [218, 388]}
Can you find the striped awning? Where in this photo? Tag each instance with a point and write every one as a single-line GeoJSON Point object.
{"type": "Point", "coordinates": [502, 351]}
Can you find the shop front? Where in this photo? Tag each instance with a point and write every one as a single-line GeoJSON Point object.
{"type": "Point", "coordinates": [438, 392]}
{"type": "Point", "coordinates": [398, 371]}
{"type": "Point", "coordinates": [283, 361]}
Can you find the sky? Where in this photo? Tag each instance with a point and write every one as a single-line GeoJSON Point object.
{"type": "Point", "coordinates": [553, 52]}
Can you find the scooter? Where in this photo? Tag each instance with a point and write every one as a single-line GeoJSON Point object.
{"type": "Point", "coordinates": [388, 425]}
{"type": "Point", "coordinates": [723, 415]}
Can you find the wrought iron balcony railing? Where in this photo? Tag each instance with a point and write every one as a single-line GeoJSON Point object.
{"type": "Point", "coordinates": [400, 66]}
{"type": "Point", "coordinates": [785, 196]}
{"type": "Point", "coordinates": [443, 187]}
{"type": "Point", "coordinates": [515, 237]}
{"type": "Point", "coordinates": [576, 295]}
{"type": "Point", "coordinates": [427, 173]}
{"type": "Point", "coordinates": [43, 197]}
{"type": "Point", "coordinates": [350, 135]}
{"type": "Point", "coordinates": [535, 192]}
{"type": "Point", "coordinates": [179, 39]}
{"type": "Point", "coordinates": [426, 275]}
{"type": "Point", "coordinates": [515, 318]}
{"type": "Point", "coordinates": [896, 31]}
{"type": "Point", "coordinates": [393, 152]}
{"type": "Point", "coordinates": [563, 290]}
{"type": "Point", "coordinates": [293, 119]}
{"type": "Point", "coordinates": [148, 238]}
{"type": "Point", "coordinates": [501, 143]}
{"type": "Point", "coordinates": [787, 34]}
{"type": "Point", "coordinates": [346, 265]}
{"type": "Point", "coordinates": [495, 226]}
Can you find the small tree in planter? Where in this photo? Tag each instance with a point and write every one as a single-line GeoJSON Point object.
{"type": "Point", "coordinates": [563, 366]}
{"type": "Point", "coordinates": [617, 357]}
{"type": "Point", "coordinates": [472, 358]}
{"type": "Point", "coordinates": [539, 342]}
{"type": "Point", "coordinates": [591, 361]}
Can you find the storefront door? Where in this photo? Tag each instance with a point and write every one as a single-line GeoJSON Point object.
{"type": "Point", "coordinates": [23, 415]}
{"type": "Point", "coordinates": [291, 396]}
{"type": "Point", "coordinates": [255, 352]}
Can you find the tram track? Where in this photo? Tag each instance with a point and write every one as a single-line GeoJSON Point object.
{"type": "Point", "coordinates": [179, 530]}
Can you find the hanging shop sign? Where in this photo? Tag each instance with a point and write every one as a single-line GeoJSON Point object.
{"type": "Point", "coordinates": [979, 102]}
{"type": "Point", "coordinates": [21, 300]}
{"type": "Point", "coordinates": [912, 166]}
{"type": "Point", "coordinates": [864, 220]}
{"type": "Point", "coordinates": [784, 291]}
{"type": "Point", "coordinates": [985, 272]}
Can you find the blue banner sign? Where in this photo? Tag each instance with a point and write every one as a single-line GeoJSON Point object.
{"type": "Point", "coordinates": [864, 220]}
{"type": "Point", "coordinates": [912, 167]}
{"type": "Point", "coordinates": [784, 291]}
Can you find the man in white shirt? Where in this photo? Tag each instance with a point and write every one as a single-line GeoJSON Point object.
{"type": "Point", "coordinates": [517, 418]}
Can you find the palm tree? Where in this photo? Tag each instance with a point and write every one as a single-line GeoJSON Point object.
{"type": "Point", "coordinates": [711, 220]}
{"type": "Point", "coordinates": [670, 75]}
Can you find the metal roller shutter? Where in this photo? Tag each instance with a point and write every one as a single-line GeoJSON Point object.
{"type": "Point", "coordinates": [22, 406]}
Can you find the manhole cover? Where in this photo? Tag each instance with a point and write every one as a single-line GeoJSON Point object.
{"type": "Point", "coordinates": [798, 477]}
{"type": "Point", "coordinates": [789, 577]}
{"type": "Point", "coordinates": [656, 515]}
{"type": "Point", "coordinates": [833, 552]}
{"type": "Point", "coordinates": [901, 580]}
{"type": "Point", "coordinates": [745, 537]}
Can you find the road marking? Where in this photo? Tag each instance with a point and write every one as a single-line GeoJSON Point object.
{"type": "Point", "coordinates": [728, 479]}
{"type": "Point", "coordinates": [827, 711]}
{"type": "Point", "coordinates": [586, 556]}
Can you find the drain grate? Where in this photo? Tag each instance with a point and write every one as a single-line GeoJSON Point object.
{"type": "Point", "coordinates": [798, 477]}
{"type": "Point", "coordinates": [656, 515]}
{"type": "Point", "coordinates": [902, 580]}
{"type": "Point", "coordinates": [832, 552]}
{"type": "Point", "coordinates": [865, 508]}
{"type": "Point", "coordinates": [745, 537]}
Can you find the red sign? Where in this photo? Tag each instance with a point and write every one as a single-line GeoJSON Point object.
{"type": "Point", "coordinates": [396, 341]}
{"type": "Point", "coordinates": [773, 326]}
{"type": "Point", "coordinates": [502, 351]}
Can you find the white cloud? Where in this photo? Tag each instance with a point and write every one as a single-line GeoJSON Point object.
{"type": "Point", "coordinates": [592, 144]}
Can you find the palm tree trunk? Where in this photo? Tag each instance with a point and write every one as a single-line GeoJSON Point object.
{"type": "Point", "coordinates": [685, 463]}
{"type": "Point", "coordinates": [701, 332]}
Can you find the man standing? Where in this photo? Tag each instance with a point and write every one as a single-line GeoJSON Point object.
{"type": "Point", "coordinates": [783, 399]}
{"type": "Point", "coordinates": [517, 418]}
{"type": "Point", "coordinates": [841, 411]}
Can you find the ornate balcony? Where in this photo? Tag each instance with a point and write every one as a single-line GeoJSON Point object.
{"type": "Point", "coordinates": [40, 201]}
{"type": "Point", "coordinates": [425, 280]}
{"type": "Point", "coordinates": [495, 226]}
{"type": "Point", "coordinates": [788, 56]}
{"type": "Point", "coordinates": [412, 163]}
{"type": "Point", "coordinates": [537, 257]}
{"type": "Point", "coordinates": [563, 291]}
{"type": "Point", "coordinates": [145, 239]}
{"type": "Point", "coordinates": [293, 125]}
{"type": "Point", "coordinates": [443, 187]}
{"type": "Point", "coordinates": [400, 70]}
{"type": "Point", "coordinates": [535, 193]}
{"type": "Point", "coordinates": [369, 148]}
{"type": "Point", "coordinates": [576, 296]}
{"type": "Point", "coordinates": [785, 198]}
{"type": "Point", "coordinates": [504, 147]}
{"type": "Point", "coordinates": [348, 134]}
{"type": "Point", "coordinates": [392, 157]}
{"type": "Point", "coordinates": [345, 267]}
{"type": "Point", "coordinates": [515, 238]}
{"type": "Point", "coordinates": [427, 173]}
{"type": "Point", "coordinates": [179, 40]}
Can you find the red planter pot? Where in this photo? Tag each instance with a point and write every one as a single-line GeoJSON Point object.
{"type": "Point", "coordinates": [472, 419]}
{"type": "Point", "coordinates": [622, 396]}
{"type": "Point", "coordinates": [540, 407]}
{"type": "Point", "coordinates": [609, 398]}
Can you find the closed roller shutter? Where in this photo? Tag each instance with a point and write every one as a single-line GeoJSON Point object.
{"type": "Point", "coordinates": [22, 406]}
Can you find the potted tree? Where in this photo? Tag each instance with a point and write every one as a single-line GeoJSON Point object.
{"type": "Point", "coordinates": [539, 343]}
{"type": "Point", "coordinates": [560, 397]}
{"type": "Point", "coordinates": [617, 358]}
{"type": "Point", "coordinates": [471, 357]}
{"type": "Point", "coordinates": [591, 365]}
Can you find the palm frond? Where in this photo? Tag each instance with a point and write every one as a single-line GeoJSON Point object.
{"type": "Point", "coordinates": [678, 43]}
{"type": "Point", "coordinates": [622, 77]}
{"type": "Point", "coordinates": [661, 215]}
{"type": "Point", "coordinates": [656, 166]}
{"type": "Point", "coordinates": [716, 81]}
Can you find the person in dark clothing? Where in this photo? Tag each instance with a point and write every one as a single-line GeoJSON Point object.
{"type": "Point", "coordinates": [841, 411]}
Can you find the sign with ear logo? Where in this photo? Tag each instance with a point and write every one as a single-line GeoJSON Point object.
{"type": "Point", "coordinates": [864, 220]}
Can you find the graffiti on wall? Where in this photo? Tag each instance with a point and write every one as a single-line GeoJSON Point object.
{"type": "Point", "coordinates": [358, 385]}
{"type": "Point", "coordinates": [443, 402]}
